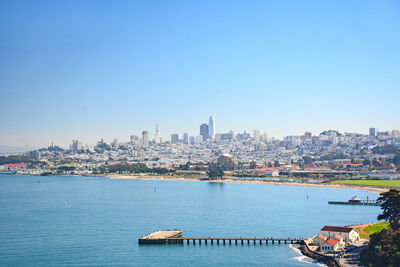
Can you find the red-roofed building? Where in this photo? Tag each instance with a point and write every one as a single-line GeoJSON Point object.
{"type": "Point", "coordinates": [339, 238]}
{"type": "Point", "coordinates": [329, 245]}
{"type": "Point", "coordinates": [348, 234]}
{"type": "Point", "coordinates": [319, 239]}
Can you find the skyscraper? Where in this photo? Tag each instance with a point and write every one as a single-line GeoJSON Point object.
{"type": "Point", "coordinates": [186, 138]}
{"type": "Point", "coordinates": [174, 138]}
{"type": "Point", "coordinates": [157, 138]}
{"type": "Point", "coordinates": [211, 127]}
{"type": "Point", "coordinates": [204, 131]}
{"type": "Point", "coordinates": [372, 131]}
{"type": "Point", "coordinates": [114, 143]}
{"type": "Point", "coordinates": [145, 138]}
{"type": "Point", "coordinates": [76, 145]}
{"type": "Point", "coordinates": [256, 135]}
{"type": "Point", "coordinates": [134, 140]}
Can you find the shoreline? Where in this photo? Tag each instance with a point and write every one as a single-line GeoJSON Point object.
{"type": "Point", "coordinates": [377, 190]}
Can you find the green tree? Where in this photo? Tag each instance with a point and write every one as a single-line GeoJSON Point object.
{"type": "Point", "coordinates": [376, 163]}
{"type": "Point", "coordinates": [382, 250]}
{"type": "Point", "coordinates": [215, 173]}
{"type": "Point", "coordinates": [253, 165]}
{"type": "Point", "coordinates": [396, 159]}
{"type": "Point", "coordinates": [366, 162]}
{"type": "Point", "coordinates": [307, 160]}
{"type": "Point", "coordinates": [386, 149]}
{"type": "Point", "coordinates": [390, 204]}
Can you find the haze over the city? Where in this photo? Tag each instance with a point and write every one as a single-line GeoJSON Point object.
{"type": "Point", "coordinates": [96, 69]}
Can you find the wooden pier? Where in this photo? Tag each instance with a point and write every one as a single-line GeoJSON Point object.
{"type": "Point", "coordinates": [164, 237]}
{"type": "Point", "coordinates": [358, 203]}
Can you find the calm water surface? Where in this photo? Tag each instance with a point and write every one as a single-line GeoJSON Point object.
{"type": "Point", "coordinates": [88, 221]}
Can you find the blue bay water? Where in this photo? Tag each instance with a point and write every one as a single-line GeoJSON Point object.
{"type": "Point", "coordinates": [92, 221]}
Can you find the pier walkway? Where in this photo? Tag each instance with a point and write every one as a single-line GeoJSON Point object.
{"type": "Point", "coordinates": [235, 240]}
{"type": "Point", "coordinates": [358, 203]}
{"type": "Point", "coordinates": [175, 237]}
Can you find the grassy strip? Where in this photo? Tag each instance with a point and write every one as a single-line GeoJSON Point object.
{"type": "Point", "coordinates": [372, 229]}
{"type": "Point", "coordinates": [376, 227]}
{"type": "Point", "coordinates": [361, 234]}
{"type": "Point", "coordinates": [383, 183]}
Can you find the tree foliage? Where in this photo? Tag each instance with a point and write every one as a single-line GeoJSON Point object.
{"type": "Point", "coordinates": [384, 247]}
{"type": "Point", "coordinates": [184, 167]}
{"type": "Point", "coordinates": [390, 204]}
{"type": "Point", "coordinates": [253, 165]}
{"type": "Point", "coordinates": [308, 160]}
{"type": "Point", "coordinates": [132, 168]}
{"type": "Point", "coordinates": [382, 250]}
{"type": "Point", "coordinates": [386, 149]}
{"type": "Point", "coordinates": [216, 173]}
{"type": "Point", "coordinates": [66, 168]}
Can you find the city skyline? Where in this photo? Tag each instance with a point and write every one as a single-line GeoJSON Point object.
{"type": "Point", "coordinates": [84, 71]}
{"type": "Point", "coordinates": [180, 135]}
{"type": "Point", "coordinates": [186, 138]}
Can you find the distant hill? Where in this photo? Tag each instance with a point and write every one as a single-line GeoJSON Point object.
{"type": "Point", "coordinates": [12, 150]}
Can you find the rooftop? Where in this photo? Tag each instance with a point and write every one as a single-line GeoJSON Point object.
{"type": "Point", "coordinates": [332, 241]}
{"type": "Point", "coordinates": [336, 229]}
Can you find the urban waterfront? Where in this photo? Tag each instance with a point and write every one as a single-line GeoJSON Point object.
{"type": "Point", "coordinates": [70, 221]}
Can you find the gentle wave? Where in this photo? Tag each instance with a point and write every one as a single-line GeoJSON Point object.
{"type": "Point", "coordinates": [304, 259]}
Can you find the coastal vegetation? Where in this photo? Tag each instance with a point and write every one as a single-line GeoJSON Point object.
{"type": "Point", "coordinates": [187, 174]}
{"type": "Point", "coordinates": [366, 232]}
{"type": "Point", "coordinates": [376, 227]}
{"type": "Point", "coordinates": [215, 173]}
{"type": "Point", "coordinates": [384, 246]}
{"type": "Point", "coordinates": [381, 183]}
{"type": "Point", "coordinates": [123, 168]}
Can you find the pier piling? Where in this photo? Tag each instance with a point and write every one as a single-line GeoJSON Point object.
{"type": "Point", "coordinates": [175, 237]}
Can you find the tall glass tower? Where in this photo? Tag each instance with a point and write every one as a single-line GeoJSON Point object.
{"type": "Point", "coordinates": [211, 127]}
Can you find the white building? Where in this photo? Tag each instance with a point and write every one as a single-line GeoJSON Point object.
{"type": "Point", "coordinates": [211, 127]}
{"type": "Point", "coordinates": [319, 239]}
{"type": "Point", "coordinates": [257, 135]}
{"type": "Point", "coordinates": [198, 139]}
{"type": "Point", "coordinates": [76, 145]}
{"type": "Point", "coordinates": [340, 239]}
{"type": "Point", "coordinates": [145, 138]}
{"type": "Point", "coordinates": [329, 245]}
{"type": "Point", "coordinates": [348, 234]}
{"type": "Point", "coordinates": [157, 137]}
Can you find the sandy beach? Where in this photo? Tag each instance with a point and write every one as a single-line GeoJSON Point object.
{"type": "Point", "coordinates": [377, 190]}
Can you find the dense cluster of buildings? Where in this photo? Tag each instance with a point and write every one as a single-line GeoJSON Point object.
{"type": "Point", "coordinates": [329, 152]}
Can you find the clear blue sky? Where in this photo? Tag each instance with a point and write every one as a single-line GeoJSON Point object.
{"type": "Point", "coordinates": [108, 69]}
